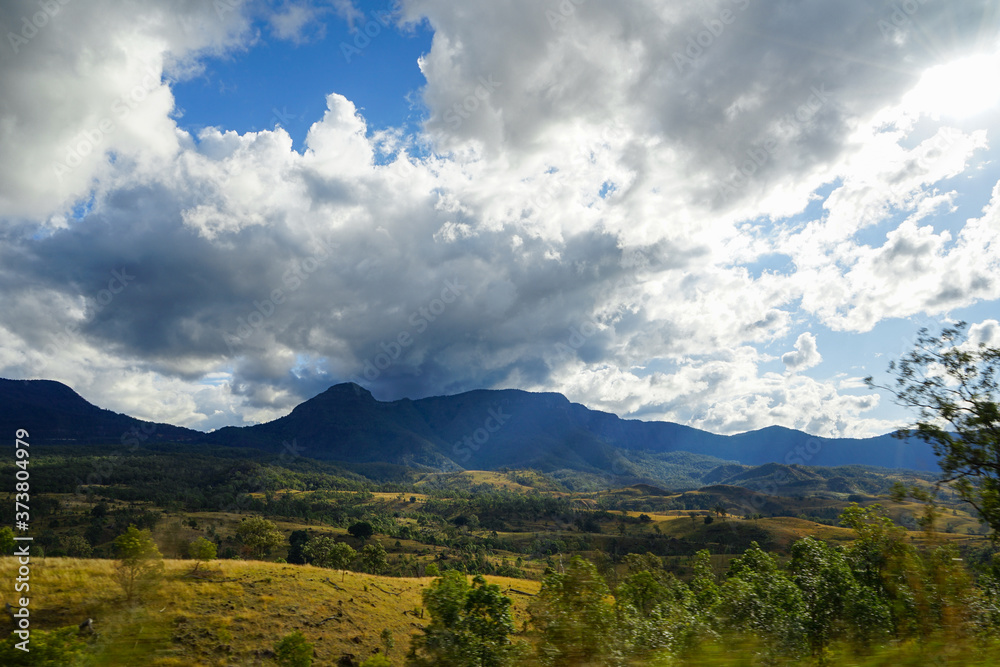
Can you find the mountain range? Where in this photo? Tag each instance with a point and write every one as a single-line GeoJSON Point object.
{"type": "Point", "coordinates": [475, 430]}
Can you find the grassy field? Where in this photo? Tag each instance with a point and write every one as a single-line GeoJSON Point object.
{"type": "Point", "coordinates": [235, 612]}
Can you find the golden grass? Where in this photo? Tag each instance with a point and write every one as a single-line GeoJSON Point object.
{"type": "Point", "coordinates": [237, 613]}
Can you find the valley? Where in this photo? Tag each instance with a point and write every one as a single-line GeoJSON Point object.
{"type": "Point", "coordinates": [406, 523]}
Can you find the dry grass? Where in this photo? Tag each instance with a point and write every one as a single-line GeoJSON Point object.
{"type": "Point", "coordinates": [237, 613]}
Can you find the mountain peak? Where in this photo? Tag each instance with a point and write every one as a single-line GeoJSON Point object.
{"type": "Point", "coordinates": [348, 389]}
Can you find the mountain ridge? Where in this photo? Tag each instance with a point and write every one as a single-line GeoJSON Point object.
{"type": "Point", "coordinates": [480, 429]}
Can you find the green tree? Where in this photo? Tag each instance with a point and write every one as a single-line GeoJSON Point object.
{"type": "Point", "coordinates": [377, 660]}
{"type": "Point", "coordinates": [642, 591]}
{"type": "Point", "coordinates": [882, 559]}
{"type": "Point", "coordinates": [361, 530]}
{"type": "Point", "coordinates": [374, 558]}
{"type": "Point", "coordinates": [837, 605]}
{"type": "Point", "coordinates": [140, 563]}
{"type": "Point", "coordinates": [77, 547]}
{"type": "Point", "coordinates": [879, 547]}
{"type": "Point", "coordinates": [294, 651]}
{"type": "Point", "coordinates": [324, 551]}
{"type": "Point", "coordinates": [759, 598]}
{"type": "Point", "coordinates": [952, 384]}
{"type": "Point", "coordinates": [571, 613]}
{"type": "Point", "coordinates": [704, 585]}
{"type": "Point", "coordinates": [470, 625]}
{"type": "Point", "coordinates": [655, 611]}
{"type": "Point", "coordinates": [7, 542]}
{"type": "Point", "coordinates": [296, 543]}
{"type": "Point", "coordinates": [259, 536]}
{"type": "Point", "coordinates": [642, 563]}
{"type": "Point", "coordinates": [388, 641]}
{"type": "Point", "coordinates": [202, 550]}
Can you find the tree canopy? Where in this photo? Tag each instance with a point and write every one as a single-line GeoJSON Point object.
{"type": "Point", "coordinates": [324, 551]}
{"type": "Point", "coordinates": [470, 625]}
{"type": "Point", "coordinates": [259, 536]}
{"type": "Point", "coordinates": [202, 550]}
{"type": "Point", "coordinates": [140, 562]}
{"type": "Point", "coordinates": [361, 530]}
{"type": "Point", "coordinates": [951, 382]}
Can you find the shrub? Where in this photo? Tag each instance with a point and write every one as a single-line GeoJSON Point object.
{"type": "Point", "coordinates": [294, 651]}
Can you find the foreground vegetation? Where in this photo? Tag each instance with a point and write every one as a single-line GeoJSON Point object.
{"type": "Point", "coordinates": [878, 601]}
{"type": "Point", "coordinates": [718, 575]}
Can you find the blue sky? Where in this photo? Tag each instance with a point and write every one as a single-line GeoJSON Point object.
{"type": "Point", "coordinates": [278, 81]}
{"type": "Point", "coordinates": [552, 196]}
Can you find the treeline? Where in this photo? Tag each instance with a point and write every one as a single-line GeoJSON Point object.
{"type": "Point", "coordinates": [880, 594]}
{"type": "Point", "coordinates": [210, 478]}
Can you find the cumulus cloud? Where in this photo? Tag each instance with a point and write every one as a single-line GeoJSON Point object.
{"type": "Point", "coordinates": [84, 81]}
{"type": "Point", "coordinates": [806, 354]}
{"type": "Point", "coordinates": [586, 210]}
{"type": "Point", "coordinates": [986, 333]}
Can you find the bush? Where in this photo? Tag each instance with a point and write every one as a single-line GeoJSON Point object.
{"type": "Point", "coordinates": [294, 651]}
{"type": "Point", "coordinates": [64, 646]}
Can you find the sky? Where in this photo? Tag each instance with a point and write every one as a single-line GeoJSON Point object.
{"type": "Point", "coordinates": [723, 213]}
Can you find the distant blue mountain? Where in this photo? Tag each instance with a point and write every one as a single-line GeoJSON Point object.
{"type": "Point", "coordinates": [478, 430]}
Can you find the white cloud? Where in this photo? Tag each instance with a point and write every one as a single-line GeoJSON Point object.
{"type": "Point", "coordinates": [584, 181]}
{"type": "Point", "coordinates": [88, 83]}
{"type": "Point", "coordinates": [986, 332]}
{"type": "Point", "coordinates": [294, 20]}
{"type": "Point", "coordinates": [806, 354]}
